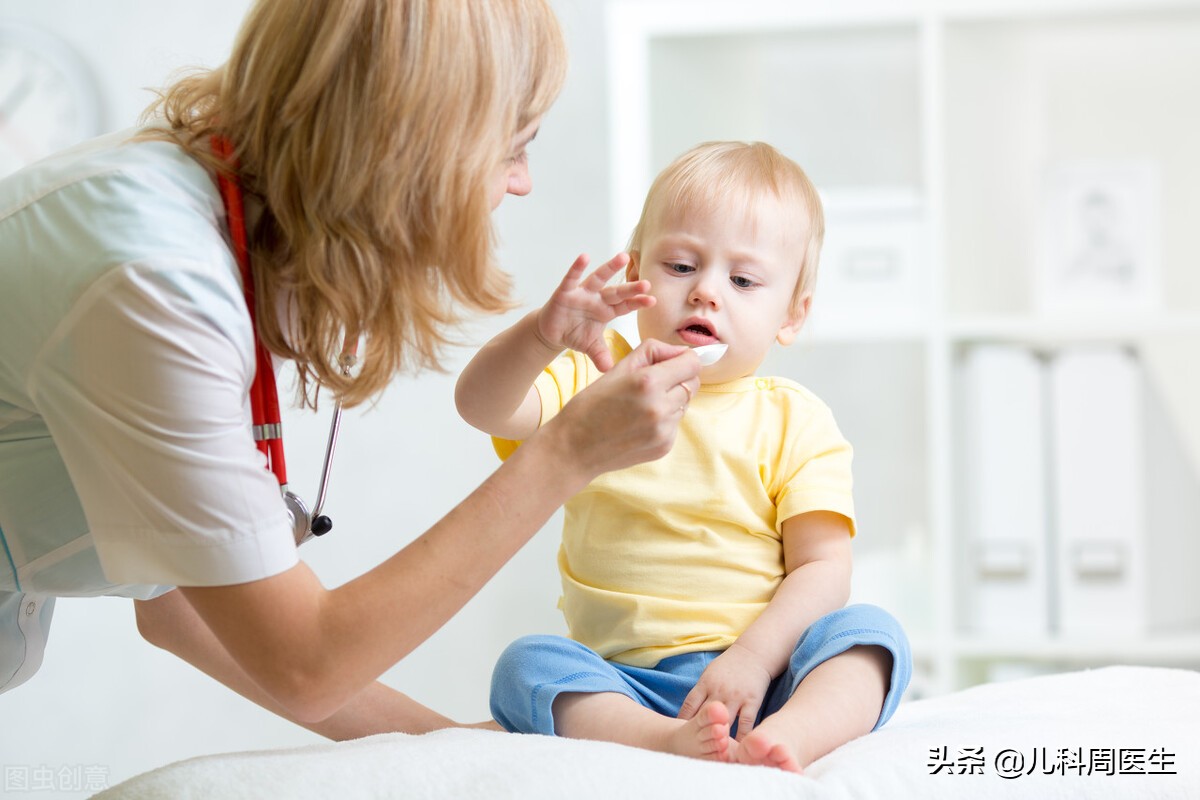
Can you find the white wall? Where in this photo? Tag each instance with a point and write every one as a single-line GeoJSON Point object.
{"type": "Point", "coordinates": [104, 699]}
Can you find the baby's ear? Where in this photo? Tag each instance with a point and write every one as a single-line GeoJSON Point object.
{"type": "Point", "coordinates": [631, 269]}
{"type": "Point", "coordinates": [795, 321]}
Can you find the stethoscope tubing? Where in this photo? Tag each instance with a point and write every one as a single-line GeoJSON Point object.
{"type": "Point", "coordinates": [335, 425]}
{"type": "Point", "coordinates": [266, 417]}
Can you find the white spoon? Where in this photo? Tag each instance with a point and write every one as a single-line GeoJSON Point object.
{"type": "Point", "coordinates": [710, 353]}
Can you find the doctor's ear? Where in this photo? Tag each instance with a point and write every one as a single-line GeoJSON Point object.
{"type": "Point", "coordinates": [632, 268]}
{"type": "Point", "coordinates": [795, 321]}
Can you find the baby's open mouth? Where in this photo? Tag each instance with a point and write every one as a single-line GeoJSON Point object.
{"type": "Point", "coordinates": [698, 333]}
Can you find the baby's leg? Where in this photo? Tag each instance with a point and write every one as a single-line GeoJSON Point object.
{"type": "Point", "coordinates": [556, 686]}
{"type": "Point", "coordinates": [838, 701]}
{"type": "Point", "coordinates": [845, 678]}
{"type": "Point", "coordinates": [613, 717]}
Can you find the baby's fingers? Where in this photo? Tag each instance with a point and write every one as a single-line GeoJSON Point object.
{"type": "Point", "coordinates": [692, 703]}
{"type": "Point", "coordinates": [745, 719]}
{"type": "Point", "coordinates": [605, 271]}
{"type": "Point", "coordinates": [575, 272]}
{"type": "Point", "coordinates": [627, 297]}
{"type": "Point", "coordinates": [600, 356]}
{"type": "Point", "coordinates": [624, 291]}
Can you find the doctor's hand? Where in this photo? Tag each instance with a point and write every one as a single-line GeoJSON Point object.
{"type": "Point", "coordinates": [577, 313]}
{"type": "Point", "coordinates": [739, 679]}
{"type": "Point", "coordinates": [631, 414]}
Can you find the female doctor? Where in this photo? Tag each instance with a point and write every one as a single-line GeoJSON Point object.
{"type": "Point", "coordinates": [356, 149]}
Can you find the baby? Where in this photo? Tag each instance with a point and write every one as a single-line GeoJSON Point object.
{"type": "Point", "coordinates": [704, 592]}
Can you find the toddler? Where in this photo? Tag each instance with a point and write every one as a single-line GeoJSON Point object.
{"type": "Point", "coordinates": [704, 592]}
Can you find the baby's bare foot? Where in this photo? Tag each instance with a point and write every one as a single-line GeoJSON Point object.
{"type": "Point", "coordinates": [761, 748]}
{"type": "Point", "coordinates": [705, 735]}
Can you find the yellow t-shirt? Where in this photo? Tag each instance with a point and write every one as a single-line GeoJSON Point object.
{"type": "Point", "coordinates": [683, 553]}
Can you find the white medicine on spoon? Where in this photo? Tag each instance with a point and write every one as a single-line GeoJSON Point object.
{"type": "Point", "coordinates": [710, 353]}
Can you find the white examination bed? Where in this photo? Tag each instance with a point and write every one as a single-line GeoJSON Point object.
{"type": "Point", "coordinates": [1136, 730]}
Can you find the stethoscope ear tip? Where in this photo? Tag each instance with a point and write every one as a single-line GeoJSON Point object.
{"type": "Point", "coordinates": [321, 525]}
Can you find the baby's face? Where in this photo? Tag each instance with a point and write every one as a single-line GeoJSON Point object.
{"type": "Point", "coordinates": [727, 275]}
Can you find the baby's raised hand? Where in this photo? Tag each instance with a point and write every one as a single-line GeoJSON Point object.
{"type": "Point", "coordinates": [577, 313]}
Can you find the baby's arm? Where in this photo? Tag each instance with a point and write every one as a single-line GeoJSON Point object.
{"type": "Point", "coordinates": [817, 560]}
{"type": "Point", "coordinates": [495, 392]}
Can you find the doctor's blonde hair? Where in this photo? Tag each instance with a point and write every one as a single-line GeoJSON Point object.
{"type": "Point", "coordinates": [370, 132]}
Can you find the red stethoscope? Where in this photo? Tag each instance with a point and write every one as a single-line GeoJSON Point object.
{"type": "Point", "coordinates": [264, 397]}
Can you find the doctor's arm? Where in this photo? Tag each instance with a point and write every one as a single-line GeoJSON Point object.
{"type": "Point", "coordinates": [145, 374]}
{"type": "Point", "coordinates": [171, 623]}
{"type": "Point", "coordinates": [313, 650]}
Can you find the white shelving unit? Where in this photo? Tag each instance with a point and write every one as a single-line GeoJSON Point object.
{"type": "Point", "coordinates": [960, 108]}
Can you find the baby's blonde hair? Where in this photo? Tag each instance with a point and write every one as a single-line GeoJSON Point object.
{"type": "Point", "coordinates": [736, 174]}
{"type": "Point", "coordinates": [371, 132]}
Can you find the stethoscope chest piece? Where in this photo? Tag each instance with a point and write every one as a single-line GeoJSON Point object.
{"type": "Point", "coordinates": [298, 514]}
{"type": "Point", "coordinates": [304, 525]}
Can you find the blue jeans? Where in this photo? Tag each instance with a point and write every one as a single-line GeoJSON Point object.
{"type": "Point", "coordinates": [534, 670]}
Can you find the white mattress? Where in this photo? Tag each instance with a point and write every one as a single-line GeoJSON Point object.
{"type": "Point", "coordinates": [1136, 730]}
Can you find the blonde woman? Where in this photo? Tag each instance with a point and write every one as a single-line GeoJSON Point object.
{"type": "Point", "coordinates": [345, 160]}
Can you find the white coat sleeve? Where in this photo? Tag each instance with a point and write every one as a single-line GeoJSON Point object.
{"type": "Point", "coordinates": [144, 387]}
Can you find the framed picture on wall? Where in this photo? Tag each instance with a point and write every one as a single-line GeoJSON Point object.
{"type": "Point", "coordinates": [1101, 238]}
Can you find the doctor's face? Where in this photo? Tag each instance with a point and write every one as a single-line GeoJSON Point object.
{"type": "Point", "coordinates": [512, 175]}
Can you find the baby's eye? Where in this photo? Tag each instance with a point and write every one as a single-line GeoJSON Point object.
{"type": "Point", "coordinates": [680, 269]}
{"type": "Point", "coordinates": [519, 158]}
{"type": "Point", "coordinates": [742, 282]}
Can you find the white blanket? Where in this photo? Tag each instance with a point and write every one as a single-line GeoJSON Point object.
{"type": "Point", "coordinates": [1136, 730]}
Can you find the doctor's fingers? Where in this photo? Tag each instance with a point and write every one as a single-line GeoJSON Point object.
{"type": "Point", "coordinates": [689, 388]}
{"type": "Point", "coordinates": [661, 393]}
{"type": "Point", "coordinates": [623, 419]}
{"type": "Point", "coordinates": [673, 362]}
{"type": "Point", "coordinates": [661, 367]}
{"type": "Point", "coordinates": [676, 394]}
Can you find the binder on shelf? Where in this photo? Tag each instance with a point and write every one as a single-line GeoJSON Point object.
{"type": "Point", "coordinates": [1005, 574]}
{"type": "Point", "coordinates": [1172, 483]}
{"type": "Point", "coordinates": [1098, 443]}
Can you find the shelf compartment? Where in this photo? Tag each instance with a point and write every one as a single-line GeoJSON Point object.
{"type": "Point", "coordinates": [1165, 649]}
{"type": "Point", "coordinates": [1028, 95]}
{"type": "Point", "coordinates": [1068, 330]}
{"type": "Point", "coordinates": [841, 101]}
